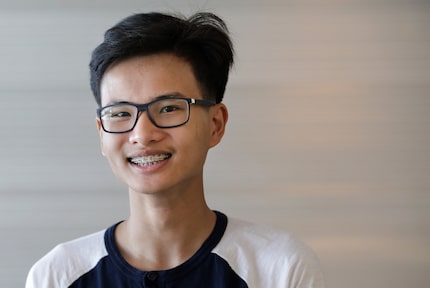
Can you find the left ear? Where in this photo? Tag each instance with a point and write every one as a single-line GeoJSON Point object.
{"type": "Point", "coordinates": [99, 129]}
{"type": "Point", "coordinates": [219, 119]}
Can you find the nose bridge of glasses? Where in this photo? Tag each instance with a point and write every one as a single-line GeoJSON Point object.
{"type": "Point", "coordinates": [143, 108]}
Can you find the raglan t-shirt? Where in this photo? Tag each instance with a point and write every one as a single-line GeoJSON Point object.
{"type": "Point", "coordinates": [236, 254]}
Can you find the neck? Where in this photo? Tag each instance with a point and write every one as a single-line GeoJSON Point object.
{"type": "Point", "coordinates": [163, 232]}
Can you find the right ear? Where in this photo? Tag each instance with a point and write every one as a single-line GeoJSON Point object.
{"type": "Point", "coordinates": [100, 130]}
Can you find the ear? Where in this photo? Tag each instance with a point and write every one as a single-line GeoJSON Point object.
{"type": "Point", "coordinates": [219, 119]}
{"type": "Point", "coordinates": [100, 130]}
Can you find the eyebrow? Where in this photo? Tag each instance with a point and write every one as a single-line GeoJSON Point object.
{"type": "Point", "coordinates": [168, 96]}
{"type": "Point", "coordinates": [160, 97]}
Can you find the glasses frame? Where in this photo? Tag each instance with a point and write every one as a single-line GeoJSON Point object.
{"type": "Point", "coordinates": [144, 107]}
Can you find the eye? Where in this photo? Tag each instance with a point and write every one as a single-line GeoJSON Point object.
{"type": "Point", "coordinates": [120, 114]}
{"type": "Point", "coordinates": [116, 113]}
{"type": "Point", "coordinates": [169, 108]}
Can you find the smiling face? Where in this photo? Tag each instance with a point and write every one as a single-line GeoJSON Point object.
{"type": "Point", "coordinates": [150, 159]}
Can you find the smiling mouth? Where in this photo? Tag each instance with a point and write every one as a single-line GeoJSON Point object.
{"type": "Point", "coordinates": [149, 160]}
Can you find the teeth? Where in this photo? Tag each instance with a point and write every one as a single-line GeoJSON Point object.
{"type": "Point", "coordinates": [149, 160]}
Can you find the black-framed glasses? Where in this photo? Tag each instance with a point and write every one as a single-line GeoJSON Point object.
{"type": "Point", "coordinates": [166, 112]}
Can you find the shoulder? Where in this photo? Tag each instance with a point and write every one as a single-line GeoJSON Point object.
{"type": "Point", "coordinates": [246, 237]}
{"type": "Point", "coordinates": [262, 254]}
{"type": "Point", "coordinates": [67, 262]}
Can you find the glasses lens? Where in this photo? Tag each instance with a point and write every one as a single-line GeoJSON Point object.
{"type": "Point", "coordinates": [118, 118]}
{"type": "Point", "coordinates": [169, 112]}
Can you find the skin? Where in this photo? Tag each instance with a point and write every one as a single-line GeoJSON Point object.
{"type": "Point", "coordinates": [169, 218]}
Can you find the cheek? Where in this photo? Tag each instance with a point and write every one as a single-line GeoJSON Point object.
{"type": "Point", "coordinates": [197, 142]}
{"type": "Point", "coordinates": [199, 135]}
{"type": "Point", "coordinates": [111, 145]}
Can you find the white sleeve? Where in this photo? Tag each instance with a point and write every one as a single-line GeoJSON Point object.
{"type": "Point", "coordinates": [264, 257]}
{"type": "Point", "coordinates": [67, 262]}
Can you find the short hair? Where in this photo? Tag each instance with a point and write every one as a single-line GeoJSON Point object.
{"type": "Point", "coordinates": [202, 40]}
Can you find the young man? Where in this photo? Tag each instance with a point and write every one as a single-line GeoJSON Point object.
{"type": "Point", "coordinates": [159, 81]}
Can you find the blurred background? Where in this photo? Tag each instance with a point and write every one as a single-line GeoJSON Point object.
{"type": "Point", "coordinates": [328, 135]}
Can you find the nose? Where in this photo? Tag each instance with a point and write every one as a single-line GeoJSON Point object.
{"type": "Point", "coordinates": [145, 132]}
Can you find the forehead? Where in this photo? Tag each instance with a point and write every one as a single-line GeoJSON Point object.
{"type": "Point", "coordinates": [144, 78]}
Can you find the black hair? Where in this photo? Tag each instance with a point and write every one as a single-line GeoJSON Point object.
{"type": "Point", "coordinates": [202, 40]}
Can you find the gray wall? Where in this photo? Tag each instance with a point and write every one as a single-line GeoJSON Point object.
{"type": "Point", "coordinates": [328, 135]}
